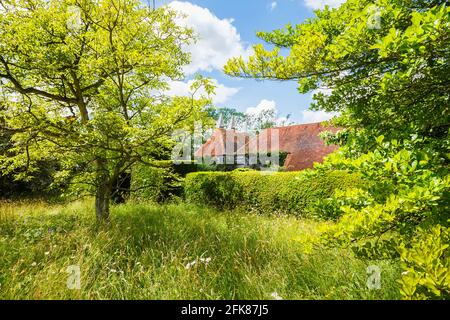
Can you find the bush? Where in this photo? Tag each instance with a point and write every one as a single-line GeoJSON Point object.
{"type": "Point", "coordinates": [401, 211]}
{"type": "Point", "coordinates": [283, 192]}
{"type": "Point", "coordinates": [161, 182]}
{"type": "Point", "coordinates": [426, 261]}
{"type": "Point", "coordinates": [147, 183]}
{"type": "Point", "coordinates": [157, 184]}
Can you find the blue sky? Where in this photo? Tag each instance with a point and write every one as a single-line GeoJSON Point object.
{"type": "Point", "coordinates": [228, 28]}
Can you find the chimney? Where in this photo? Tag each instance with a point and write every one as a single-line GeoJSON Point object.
{"type": "Point", "coordinates": [232, 124]}
{"type": "Point", "coordinates": [219, 123]}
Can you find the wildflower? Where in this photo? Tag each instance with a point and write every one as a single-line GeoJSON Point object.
{"type": "Point", "coordinates": [47, 253]}
{"type": "Point", "coordinates": [276, 296]}
{"type": "Point", "coordinates": [33, 264]}
{"type": "Point", "coordinates": [190, 265]}
{"type": "Point", "coordinates": [205, 260]}
{"type": "Point", "coordinates": [198, 260]}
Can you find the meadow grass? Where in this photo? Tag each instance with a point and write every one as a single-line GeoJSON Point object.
{"type": "Point", "coordinates": [173, 252]}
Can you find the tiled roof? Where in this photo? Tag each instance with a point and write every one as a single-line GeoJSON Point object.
{"type": "Point", "coordinates": [301, 142]}
{"type": "Point", "coordinates": [216, 145]}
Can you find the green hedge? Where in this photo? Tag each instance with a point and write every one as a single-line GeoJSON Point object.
{"type": "Point", "coordinates": [147, 183]}
{"type": "Point", "coordinates": [283, 192]}
{"type": "Point", "coordinates": [159, 183]}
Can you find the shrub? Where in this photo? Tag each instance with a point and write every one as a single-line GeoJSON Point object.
{"type": "Point", "coordinates": [161, 182]}
{"type": "Point", "coordinates": [157, 184]}
{"type": "Point", "coordinates": [401, 211]}
{"type": "Point", "coordinates": [426, 262]}
{"type": "Point", "coordinates": [283, 192]}
{"type": "Point", "coordinates": [147, 183]}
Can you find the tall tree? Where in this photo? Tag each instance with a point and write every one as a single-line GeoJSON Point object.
{"type": "Point", "coordinates": [227, 114]}
{"type": "Point", "coordinates": [80, 82]}
{"type": "Point", "coordinates": [263, 116]}
{"type": "Point", "coordinates": [256, 119]}
{"type": "Point", "coordinates": [386, 64]}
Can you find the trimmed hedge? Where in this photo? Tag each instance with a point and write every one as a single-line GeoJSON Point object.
{"type": "Point", "coordinates": [282, 192]}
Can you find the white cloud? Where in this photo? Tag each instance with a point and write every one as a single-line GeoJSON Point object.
{"type": "Point", "coordinates": [263, 106]}
{"type": "Point", "coordinates": [282, 122]}
{"type": "Point", "coordinates": [320, 4]}
{"type": "Point", "coordinates": [309, 116]}
{"type": "Point", "coordinates": [223, 93]}
{"type": "Point", "coordinates": [273, 5]}
{"type": "Point", "coordinates": [266, 111]}
{"type": "Point", "coordinates": [218, 40]}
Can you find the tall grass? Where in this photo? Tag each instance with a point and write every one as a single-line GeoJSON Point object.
{"type": "Point", "coordinates": [172, 252]}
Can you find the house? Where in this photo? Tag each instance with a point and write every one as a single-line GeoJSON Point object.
{"type": "Point", "coordinates": [223, 145]}
{"type": "Point", "coordinates": [302, 144]}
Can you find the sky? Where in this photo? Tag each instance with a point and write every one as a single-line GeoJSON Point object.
{"type": "Point", "coordinates": [227, 28]}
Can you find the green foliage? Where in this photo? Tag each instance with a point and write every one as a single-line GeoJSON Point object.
{"type": "Point", "coordinates": [38, 185]}
{"type": "Point", "coordinates": [257, 121]}
{"type": "Point", "coordinates": [388, 76]}
{"type": "Point", "coordinates": [406, 196]}
{"type": "Point", "coordinates": [244, 170]}
{"type": "Point", "coordinates": [426, 261]}
{"type": "Point", "coordinates": [81, 84]}
{"type": "Point", "coordinates": [387, 63]}
{"type": "Point", "coordinates": [148, 253]}
{"type": "Point", "coordinates": [227, 114]}
{"type": "Point", "coordinates": [157, 184]}
{"type": "Point", "coordinates": [148, 183]}
{"type": "Point", "coordinates": [266, 192]}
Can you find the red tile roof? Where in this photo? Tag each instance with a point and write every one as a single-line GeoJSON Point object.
{"type": "Point", "coordinates": [301, 142]}
{"type": "Point", "coordinates": [216, 145]}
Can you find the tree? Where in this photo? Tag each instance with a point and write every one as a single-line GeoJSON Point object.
{"type": "Point", "coordinates": [386, 64]}
{"type": "Point", "coordinates": [259, 118]}
{"type": "Point", "coordinates": [227, 114]}
{"type": "Point", "coordinates": [391, 78]}
{"type": "Point", "coordinates": [80, 82]}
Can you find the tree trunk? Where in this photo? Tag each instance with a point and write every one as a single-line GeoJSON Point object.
{"type": "Point", "coordinates": [102, 199]}
{"type": "Point", "coordinates": [103, 192]}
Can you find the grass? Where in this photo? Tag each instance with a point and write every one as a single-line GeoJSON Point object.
{"type": "Point", "coordinates": [148, 252]}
